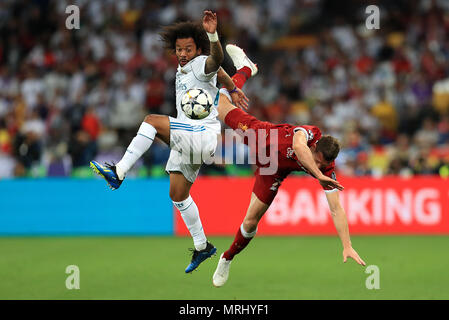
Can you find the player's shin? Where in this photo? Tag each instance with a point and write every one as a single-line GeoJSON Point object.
{"type": "Point", "coordinates": [191, 217]}
{"type": "Point", "coordinates": [241, 240]}
{"type": "Point", "coordinates": [138, 146]}
{"type": "Point", "coordinates": [244, 66]}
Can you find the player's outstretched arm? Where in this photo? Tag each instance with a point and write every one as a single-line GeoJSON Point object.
{"type": "Point", "coordinates": [216, 56]}
{"type": "Point", "coordinates": [305, 156]}
{"type": "Point", "coordinates": [341, 225]}
{"type": "Point", "coordinates": [239, 99]}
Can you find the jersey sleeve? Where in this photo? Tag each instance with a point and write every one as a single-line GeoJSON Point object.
{"type": "Point", "coordinates": [198, 69]}
{"type": "Point", "coordinates": [313, 134]}
{"type": "Point", "coordinates": [330, 172]}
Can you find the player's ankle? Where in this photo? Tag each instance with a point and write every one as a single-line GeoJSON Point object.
{"type": "Point", "coordinates": [200, 246]}
{"type": "Point", "coordinates": [120, 173]}
{"type": "Point", "coordinates": [228, 256]}
{"type": "Point", "coordinates": [246, 71]}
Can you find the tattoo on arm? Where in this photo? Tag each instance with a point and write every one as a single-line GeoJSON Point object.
{"type": "Point", "coordinates": [215, 58]}
{"type": "Point", "coordinates": [224, 79]}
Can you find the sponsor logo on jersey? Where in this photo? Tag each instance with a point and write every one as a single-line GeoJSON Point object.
{"type": "Point", "coordinates": [290, 152]}
{"type": "Point", "coordinates": [275, 186]}
{"type": "Point", "coordinates": [180, 85]}
{"type": "Point", "coordinates": [242, 126]}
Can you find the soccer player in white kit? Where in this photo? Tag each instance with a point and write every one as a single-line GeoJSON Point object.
{"type": "Point", "coordinates": [194, 138]}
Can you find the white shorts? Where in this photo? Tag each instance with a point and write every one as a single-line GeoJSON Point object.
{"type": "Point", "coordinates": [191, 146]}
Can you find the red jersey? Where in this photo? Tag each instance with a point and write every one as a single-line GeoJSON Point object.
{"type": "Point", "coordinates": [288, 161]}
{"type": "Point", "coordinates": [266, 185]}
{"type": "Point", "coordinates": [286, 158]}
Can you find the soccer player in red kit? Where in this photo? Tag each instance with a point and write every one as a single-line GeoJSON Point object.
{"type": "Point", "coordinates": [295, 148]}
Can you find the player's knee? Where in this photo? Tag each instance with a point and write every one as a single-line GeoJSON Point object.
{"type": "Point", "coordinates": [160, 123]}
{"type": "Point", "coordinates": [177, 195]}
{"type": "Point", "coordinates": [250, 224]}
{"type": "Point", "coordinates": [151, 119]}
{"type": "Point", "coordinates": [174, 196]}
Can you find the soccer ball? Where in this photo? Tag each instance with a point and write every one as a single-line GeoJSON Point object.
{"type": "Point", "coordinates": [196, 103]}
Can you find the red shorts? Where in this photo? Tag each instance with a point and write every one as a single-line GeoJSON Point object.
{"type": "Point", "coordinates": [265, 186]}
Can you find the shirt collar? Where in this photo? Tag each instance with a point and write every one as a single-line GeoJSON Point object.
{"type": "Point", "coordinates": [180, 69]}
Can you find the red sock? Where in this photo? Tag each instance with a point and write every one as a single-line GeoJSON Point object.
{"type": "Point", "coordinates": [240, 243]}
{"type": "Point", "coordinates": [241, 76]}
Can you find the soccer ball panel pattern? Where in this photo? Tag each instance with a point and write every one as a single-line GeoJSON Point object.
{"type": "Point", "coordinates": [196, 103]}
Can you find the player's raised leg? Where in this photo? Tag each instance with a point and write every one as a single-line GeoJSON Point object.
{"type": "Point", "coordinates": [153, 125]}
{"type": "Point", "coordinates": [244, 235]}
{"type": "Point", "coordinates": [245, 69]}
{"type": "Point", "coordinates": [244, 66]}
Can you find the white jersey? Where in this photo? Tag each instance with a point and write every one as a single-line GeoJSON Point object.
{"type": "Point", "coordinates": [192, 76]}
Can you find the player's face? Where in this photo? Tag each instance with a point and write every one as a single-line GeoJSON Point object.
{"type": "Point", "coordinates": [319, 160]}
{"type": "Point", "coordinates": [186, 50]}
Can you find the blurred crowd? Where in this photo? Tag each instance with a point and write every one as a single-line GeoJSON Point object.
{"type": "Point", "coordinates": [70, 96]}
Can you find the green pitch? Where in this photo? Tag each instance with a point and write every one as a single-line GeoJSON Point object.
{"type": "Point", "coordinates": [270, 268]}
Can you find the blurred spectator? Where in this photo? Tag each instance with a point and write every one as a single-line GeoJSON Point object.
{"type": "Point", "coordinates": [443, 130]}
{"type": "Point", "coordinates": [428, 135]}
{"type": "Point", "coordinates": [387, 116]}
{"type": "Point", "coordinates": [68, 96]}
{"type": "Point", "coordinates": [155, 93]}
{"type": "Point", "coordinates": [82, 148]}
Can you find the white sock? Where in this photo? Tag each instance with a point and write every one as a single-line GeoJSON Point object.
{"type": "Point", "coordinates": [138, 146]}
{"type": "Point", "coordinates": [247, 234]}
{"type": "Point", "coordinates": [191, 216]}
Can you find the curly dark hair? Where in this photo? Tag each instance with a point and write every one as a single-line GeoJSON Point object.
{"type": "Point", "coordinates": [329, 146]}
{"type": "Point", "coordinates": [184, 30]}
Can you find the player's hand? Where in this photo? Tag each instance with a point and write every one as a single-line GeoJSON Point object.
{"type": "Point", "coordinates": [239, 99]}
{"type": "Point", "coordinates": [351, 253]}
{"type": "Point", "coordinates": [330, 183]}
{"type": "Point", "coordinates": [210, 21]}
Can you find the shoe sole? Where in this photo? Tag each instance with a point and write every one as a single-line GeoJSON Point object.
{"type": "Point", "coordinates": [98, 172]}
{"type": "Point", "coordinates": [217, 286]}
{"type": "Point", "coordinates": [210, 257]}
{"type": "Point", "coordinates": [253, 66]}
